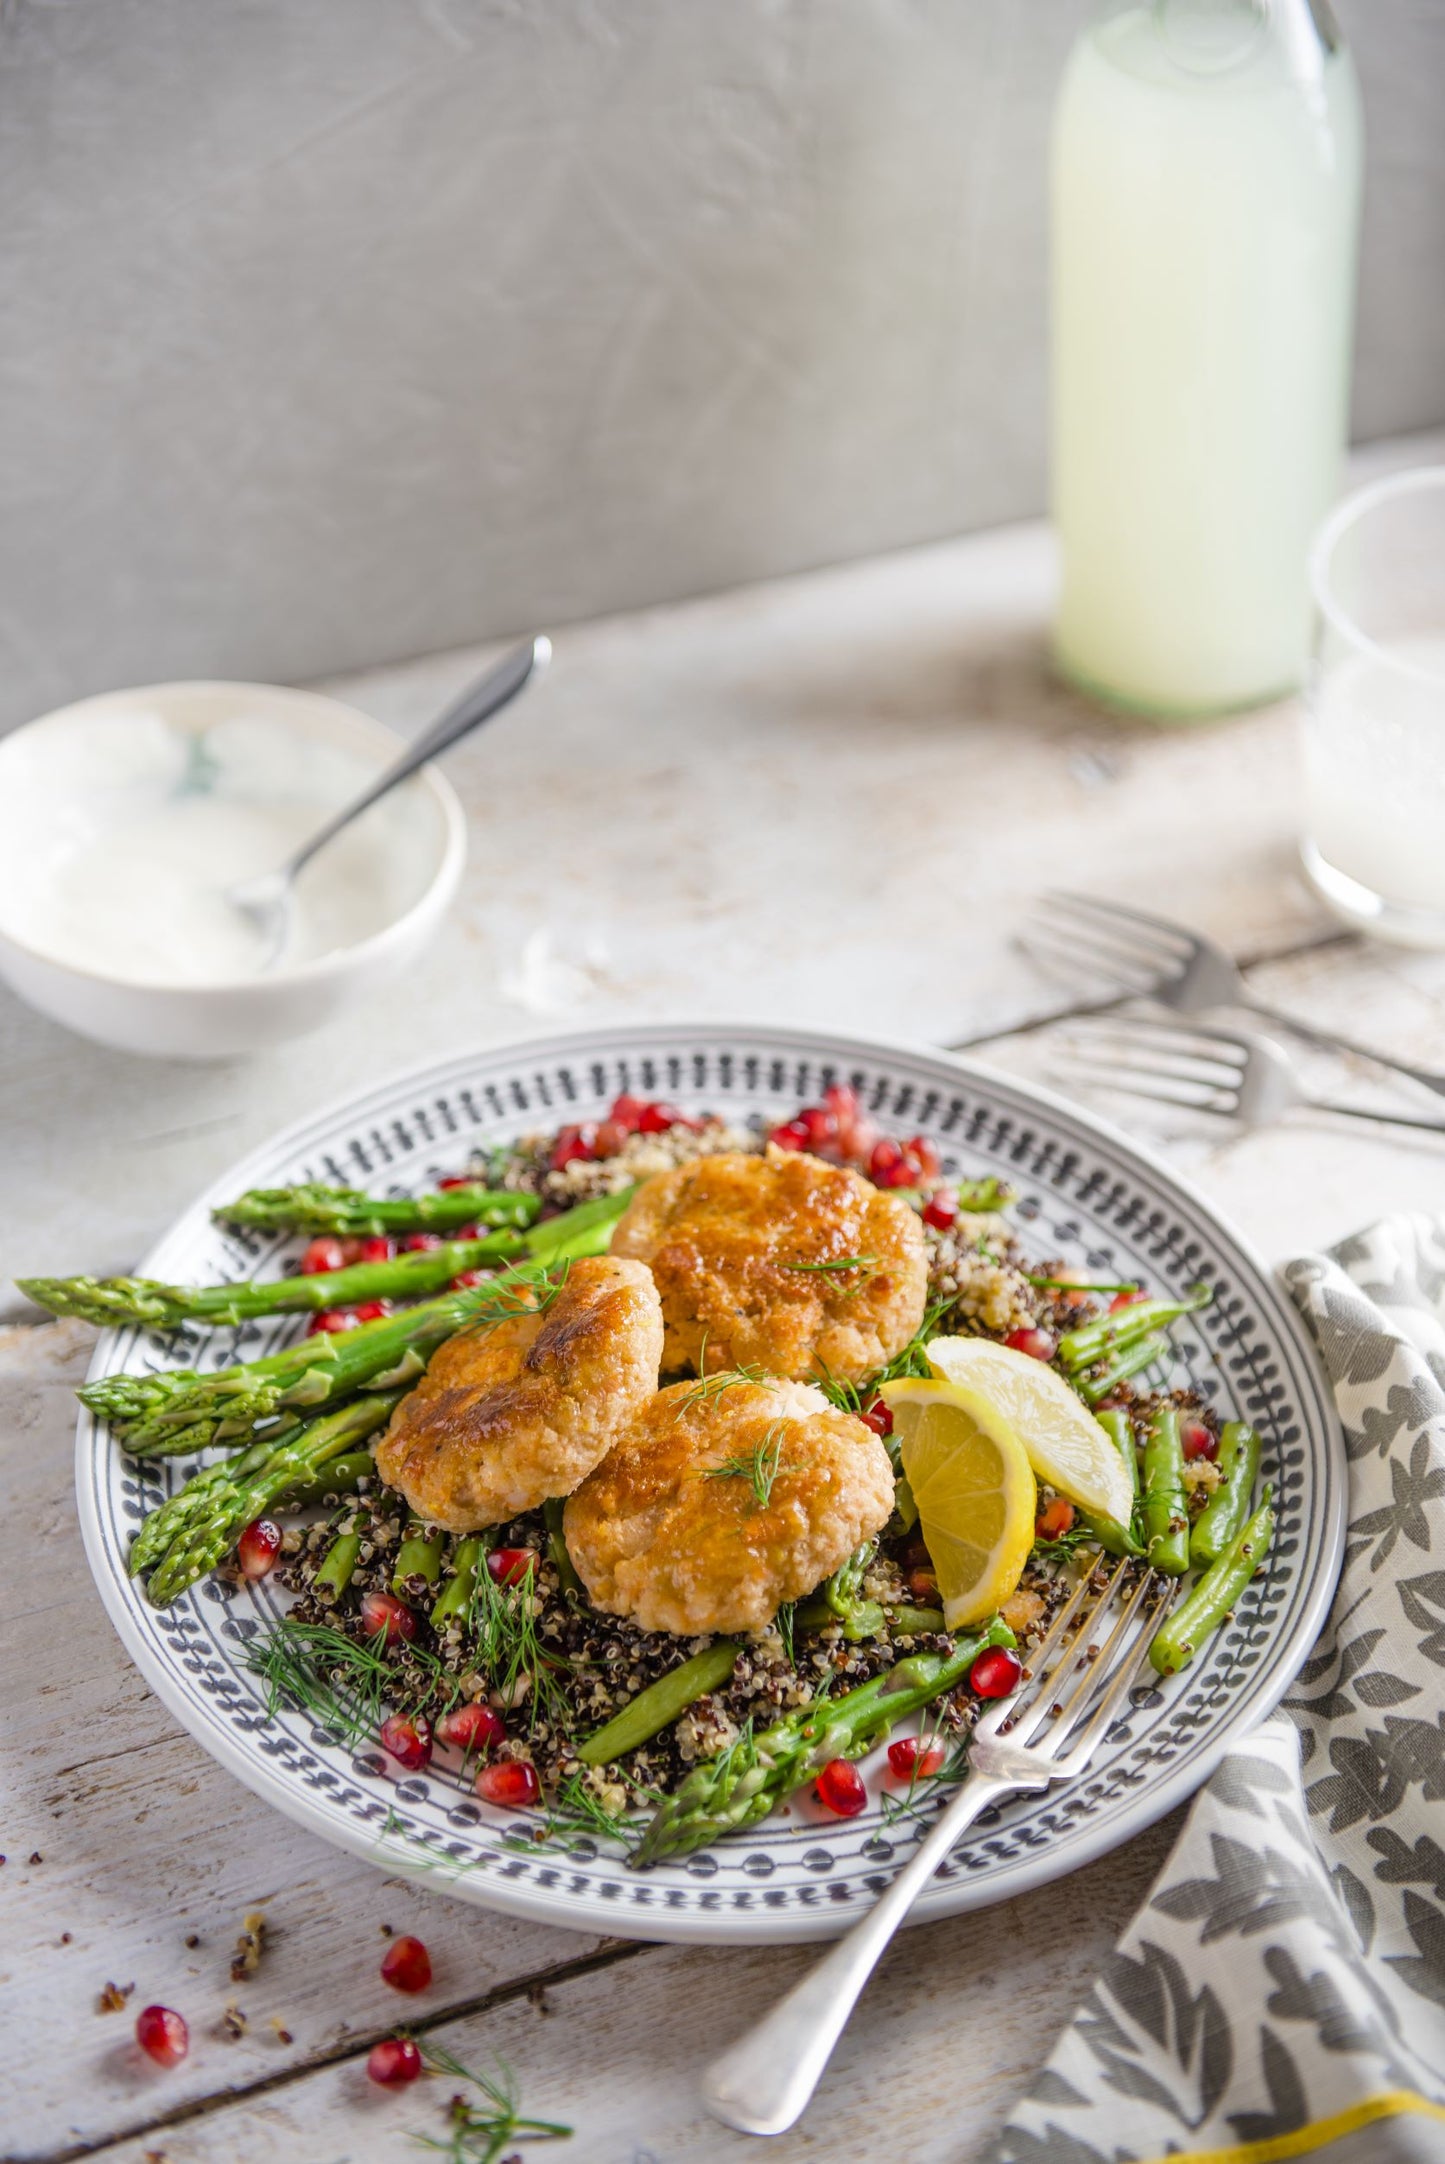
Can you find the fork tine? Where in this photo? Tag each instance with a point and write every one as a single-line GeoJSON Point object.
{"type": "Point", "coordinates": [1114, 1079]}
{"type": "Point", "coordinates": [1091, 1671]}
{"type": "Point", "coordinates": [1110, 937]}
{"type": "Point", "coordinates": [1081, 1748]}
{"type": "Point", "coordinates": [1020, 1715]}
{"type": "Point", "coordinates": [1103, 1048]}
{"type": "Point", "coordinates": [1215, 1047]}
{"type": "Point", "coordinates": [1175, 935]}
{"type": "Point", "coordinates": [1140, 977]}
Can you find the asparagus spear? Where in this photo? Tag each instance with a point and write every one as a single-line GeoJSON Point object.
{"type": "Point", "coordinates": [202, 1538]}
{"type": "Point", "coordinates": [339, 1476]}
{"type": "Point", "coordinates": [178, 1409]}
{"type": "Point", "coordinates": [661, 1703]}
{"type": "Point", "coordinates": [112, 1300]}
{"type": "Point", "coordinates": [336, 1572]}
{"type": "Point", "coordinates": [1210, 1602]}
{"type": "Point", "coordinates": [753, 1775]}
{"type": "Point", "coordinates": [455, 1597]}
{"type": "Point", "coordinates": [841, 1597]}
{"type": "Point", "coordinates": [346, 1210]}
{"type": "Point", "coordinates": [557, 1549]}
{"type": "Point", "coordinates": [419, 1556]}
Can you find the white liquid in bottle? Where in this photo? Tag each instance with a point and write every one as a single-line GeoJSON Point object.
{"type": "Point", "coordinates": [1205, 203]}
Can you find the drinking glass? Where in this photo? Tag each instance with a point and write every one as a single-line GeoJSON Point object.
{"type": "Point", "coordinates": [1374, 723]}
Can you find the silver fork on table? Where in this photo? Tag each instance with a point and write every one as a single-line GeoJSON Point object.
{"type": "Point", "coordinates": [1154, 959]}
{"type": "Point", "coordinates": [1201, 1067]}
{"type": "Point", "coordinates": [1068, 1698]}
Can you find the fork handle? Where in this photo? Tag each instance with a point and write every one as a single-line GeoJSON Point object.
{"type": "Point", "coordinates": [763, 2083]}
{"type": "Point", "coordinates": [1331, 1041]}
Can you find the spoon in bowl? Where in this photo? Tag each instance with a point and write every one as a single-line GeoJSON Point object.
{"type": "Point", "coordinates": [265, 902]}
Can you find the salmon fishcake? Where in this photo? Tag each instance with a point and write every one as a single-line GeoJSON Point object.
{"type": "Point", "coordinates": [751, 1257]}
{"type": "Point", "coordinates": [724, 1499]}
{"type": "Point", "coordinates": [510, 1414]}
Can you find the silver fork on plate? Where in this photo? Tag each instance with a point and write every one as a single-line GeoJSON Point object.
{"type": "Point", "coordinates": [1066, 1703]}
{"type": "Point", "coordinates": [1154, 959]}
{"type": "Point", "coordinates": [1205, 1069]}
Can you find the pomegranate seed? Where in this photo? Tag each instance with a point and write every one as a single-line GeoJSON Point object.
{"type": "Point", "coordinates": [406, 1965]}
{"type": "Point", "coordinates": [610, 1137]}
{"type": "Point", "coordinates": [791, 1135]}
{"type": "Point", "coordinates": [467, 1232]}
{"type": "Point", "coordinates": [258, 1547]}
{"type": "Point", "coordinates": [393, 2062]}
{"type": "Point", "coordinates": [995, 1674]}
{"type": "Point", "coordinates": [322, 1256]}
{"type": "Point", "coordinates": [420, 1243]}
{"type": "Point", "coordinates": [1127, 1299]}
{"type": "Point", "coordinates": [856, 1132]}
{"type": "Point", "coordinates": [923, 1585]}
{"type": "Point", "coordinates": [921, 1158]}
{"type": "Point", "coordinates": [471, 1727]}
{"type": "Point", "coordinates": [886, 1167]}
{"type": "Point", "coordinates": [1055, 1519]}
{"type": "Point", "coordinates": [376, 1248]}
{"type": "Point", "coordinates": [465, 1279]}
{"type": "Point", "coordinates": [1038, 1344]}
{"type": "Point", "coordinates": [458, 1179]}
{"type": "Point", "coordinates": [878, 1417]}
{"type": "Point", "coordinates": [408, 1738]}
{"type": "Point", "coordinates": [656, 1118]}
{"type": "Point", "coordinates": [1197, 1441]}
{"type": "Point", "coordinates": [510, 1783]}
{"type": "Point", "coordinates": [509, 1566]}
{"type": "Point", "coordinates": [627, 1112]}
{"type": "Point", "coordinates": [372, 1310]}
{"type": "Point", "coordinates": [573, 1146]}
{"type": "Point", "coordinates": [941, 1208]}
{"type": "Point", "coordinates": [912, 1762]}
{"type": "Point", "coordinates": [384, 1612]}
{"type": "Point", "coordinates": [841, 1790]}
{"type": "Point", "coordinates": [821, 1128]}
{"type": "Point", "coordinates": [162, 2035]}
{"type": "Point", "coordinates": [330, 1319]}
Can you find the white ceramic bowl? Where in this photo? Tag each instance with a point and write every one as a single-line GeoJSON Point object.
{"type": "Point", "coordinates": [215, 1020]}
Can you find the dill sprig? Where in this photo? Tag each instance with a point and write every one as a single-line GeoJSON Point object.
{"type": "Point", "coordinates": [1070, 1284]}
{"type": "Point", "coordinates": [339, 1682]}
{"type": "Point", "coordinates": [844, 1262]}
{"type": "Point", "coordinates": [480, 2132]}
{"type": "Point", "coordinates": [708, 1387]}
{"type": "Point", "coordinates": [1062, 1549]}
{"type": "Point", "coordinates": [783, 1621]}
{"type": "Point", "coordinates": [846, 1396]}
{"type": "Point", "coordinates": [912, 1358]}
{"type": "Point", "coordinates": [502, 1626]}
{"type": "Point", "coordinates": [922, 1787]}
{"type": "Point", "coordinates": [760, 1465]}
{"type": "Point", "coordinates": [577, 1814]}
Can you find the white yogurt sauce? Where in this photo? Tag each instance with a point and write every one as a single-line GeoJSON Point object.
{"type": "Point", "coordinates": [123, 822]}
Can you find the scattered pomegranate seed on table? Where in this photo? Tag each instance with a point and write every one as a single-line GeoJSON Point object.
{"type": "Point", "coordinates": [406, 1965]}
{"type": "Point", "coordinates": [996, 1673]}
{"type": "Point", "coordinates": [393, 2062]}
{"type": "Point", "coordinates": [941, 1208]}
{"type": "Point", "coordinates": [841, 1789]}
{"type": "Point", "coordinates": [912, 1760]}
{"type": "Point", "coordinates": [1198, 1441]}
{"type": "Point", "coordinates": [1038, 1344]}
{"type": "Point", "coordinates": [510, 1783]}
{"type": "Point", "coordinates": [407, 1736]}
{"type": "Point", "coordinates": [321, 1256]}
{"type": "Point", "coordinates": [162, 2034]}
{"type": "Point", "coordinates": [384, 1612]}
{"type": "Point", "coordinates": [471, 1727]}
{"type": "Point", "coordinates": [258, 1547]}
{"type": "Point", "coordinates": [509, 1566]}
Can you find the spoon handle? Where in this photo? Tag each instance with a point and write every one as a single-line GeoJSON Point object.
{"type": "Point", "coordinates": [477, 704]}
{"type": "Point", "coordinates": [1332, 1041]}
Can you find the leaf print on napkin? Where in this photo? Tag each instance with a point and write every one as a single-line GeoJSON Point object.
{"type": "Point", "coordinates": [1054, 2146]}
{"type": "Point", "coordinates": [1242, 1779]}
{"type": "Point", "coordinates": [1423, 1600]}
{"type": "Point", "coordinates": [1190, 2031]}
{"type": "Point", "coordinates": [1347, 1330]}
{"type": "Point", "coordinates": [1253, 1890]}
{"type": "Point", "coordinates": [1355, 1901]}
{"type": "Point", "coordinates": [1424, 1970]}
{"type": "Point", "coordinates": [1408, 1405]}
{"type": "Point", "coordinates": [1402, 1865]}
{"type": "Point", "coordinates": [1405, 1514]}
{"type": "Point", "coordinates": [1364, 1784]}
{"type": "Point", "coordinates": [1317, 1999]}
{"type": "Point", "coordinates": [1286, 2094]}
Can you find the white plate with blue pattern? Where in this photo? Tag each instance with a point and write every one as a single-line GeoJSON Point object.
{"type": "Point", "coordinates": [1084, 1192]}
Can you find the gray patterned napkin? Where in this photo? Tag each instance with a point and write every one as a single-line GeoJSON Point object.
{"type": "Point", "coordinates": [1282, 1992]}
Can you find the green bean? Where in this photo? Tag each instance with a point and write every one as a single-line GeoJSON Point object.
{"type": "Point", "coordinates": [562, 1562]}
{"type": "Point", "coordinates": [660, 1704]}
{"type": "Point", "coordinates": [1113, 1537]}
{"type": "Point", "coordinates": [342, 1558]}
{"type": "Point", "coordinates": [1211, 1600]}
{"type": "Point", "coordinates": [911, 1622]}
{"type": "Point", "coordinates": [1228, 1507]}
{"type": "Point", "coordinates": [1141, 1354]}
{"type": "Point", "coordinates": [1090, 1341]}
{"type": "Point", "coordinates": [419, 1556]}
{"type": "Point", "coordinates": [338, 1476]}
{"type": "Point", "coordinates": [1166, 1521]}
{"type": "Point", "coordinates": [455, 1597]}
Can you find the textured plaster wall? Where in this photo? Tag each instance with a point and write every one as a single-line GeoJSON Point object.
{"type": "Point", "coordinates": [336, 330]}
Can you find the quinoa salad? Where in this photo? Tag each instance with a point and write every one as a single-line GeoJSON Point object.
{"type": "Point", "coordinates": [520, 1645]}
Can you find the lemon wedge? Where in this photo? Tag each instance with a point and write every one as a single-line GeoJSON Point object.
{"type": "Point", "coordinates": [975, 1493]}
{"type": "Point", "coordinates": [1011, 1393]}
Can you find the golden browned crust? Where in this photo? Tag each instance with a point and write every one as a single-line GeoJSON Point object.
{"type": "Point", "coordinates": [659, 1534]}
{"type": "Point", "coordinates": [723, 1237]}
{"type": "Point", "coordinates": [506, 1417]}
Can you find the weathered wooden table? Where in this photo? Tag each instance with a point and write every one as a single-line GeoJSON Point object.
{"type": "Point", "coordinates": [825, 800]}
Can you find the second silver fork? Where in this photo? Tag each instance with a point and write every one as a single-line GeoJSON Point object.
{"type": "Point", "coordinates": [764, 2082]}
